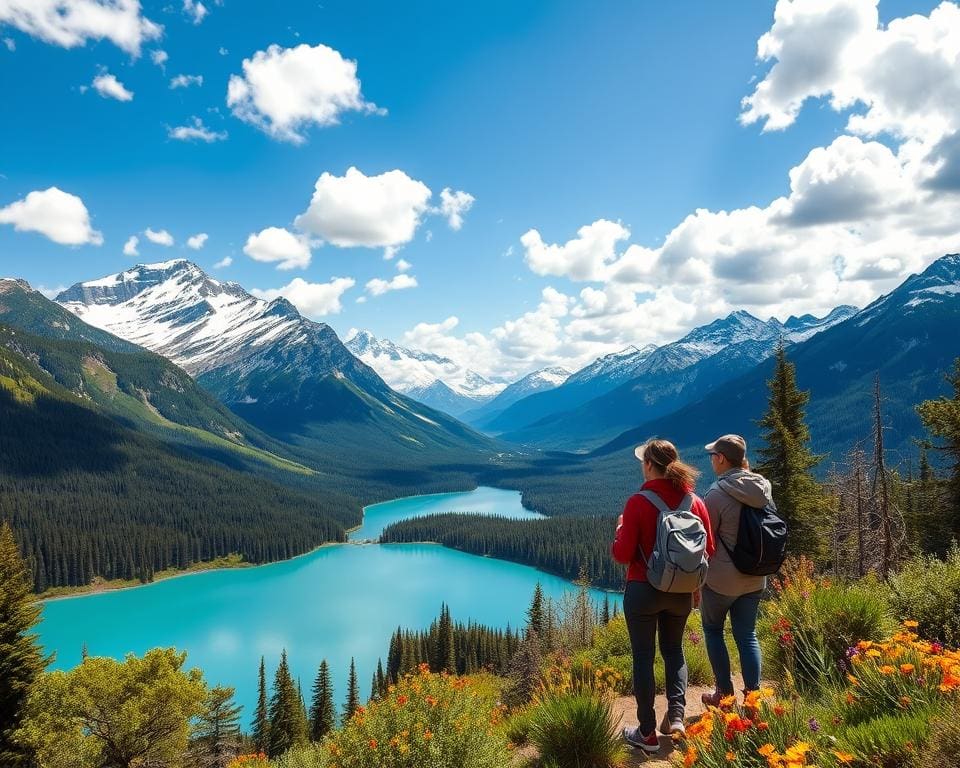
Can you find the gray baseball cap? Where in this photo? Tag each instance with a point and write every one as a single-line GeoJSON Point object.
{"type": "Point", "coordinates": [732, 447]}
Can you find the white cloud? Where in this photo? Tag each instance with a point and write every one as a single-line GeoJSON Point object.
{"type": "Point", "coordinates": [58, 215]}
{"type": "Point", "coordinates": [223, 51]}
{"type": "Point", "coordinates": [584, 258]}
{"type": "Point", "coordinates": [109, 87]}
{"type": "Point", "coordinates": [378, 287]}
{"type": "Point", "coordinates": [312, 299]}
{"type": "Point", "coordinates": [10, 43]}
{"type": "Point", "coordinates": [195, 11]}
{"type": "Point", "coordinates": [159, 57]}
{"type": "Point", "coordinates": [904, 77]}
{"type": "Point", "coordinates": [160, 237]}
{"type": "Point", "coordinates": [196, 132]}
{"type": "Point", "coordinates": [197, 241]}
{"type": "Point", "coordinates": [283, 91]}
{"type": "Point", "coordinates": [275, 244]}
{"type": "Point", "coordinates": [71, 23]}
{"type": "Point", "coordinates": [130, 247]}
{"type": "Point", "coordinates": [185, 81]}
{"type": "Point", "coordinates": [453, 205]}
{"type": "Point", "coordinates": [403, 265]}
{"type": "Point", "coordinates": [371, 211]}
{"type": "Point", "coordinates": [226, 261]}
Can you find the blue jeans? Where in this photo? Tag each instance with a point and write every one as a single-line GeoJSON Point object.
{"type": "Point", "coordinates": [743, 612]}
{"type": "Point", "coordinates": [649, 613]}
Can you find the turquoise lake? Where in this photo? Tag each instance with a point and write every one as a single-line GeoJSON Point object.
{"type": "Point", "coordinates": [338, 602]}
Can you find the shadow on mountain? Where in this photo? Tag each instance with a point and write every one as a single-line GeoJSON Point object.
{"type": "Point", "coordinates": [51, 436]}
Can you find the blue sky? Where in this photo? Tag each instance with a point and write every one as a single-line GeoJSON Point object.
{"type": "Point", "coordinates": [552, 116]}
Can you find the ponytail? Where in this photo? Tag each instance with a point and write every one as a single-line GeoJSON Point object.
{"type": "Point", "coordinates": [663, 455]}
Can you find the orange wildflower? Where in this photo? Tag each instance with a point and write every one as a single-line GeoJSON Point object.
{"type": "Point", "coordinates": [906, 669]}
{"type": "Point", "coordinates": [844, 757]}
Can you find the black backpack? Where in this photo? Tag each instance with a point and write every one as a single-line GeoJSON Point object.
{"type": "Point", "coordinates": [761, 544]}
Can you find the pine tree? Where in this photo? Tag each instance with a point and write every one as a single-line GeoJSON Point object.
{"type": "Point", "coordinates": [217, 733]}
{"type": "Point", "coordinates": [535, 617]}
{"type": "Point", "coordinates": [524, 671]}
{"type": "Point", "coordinates": [261, 717]}
{"type": "Point", "coordinates": [381, 679]}
{"type": "Point", "coordinates": [446, 654]}
{"type": "Point", "coordinates": [287, 719]}
{"type": "Point", "coordinates": [353, 693]}
{"type": "Point", "coordinates": [21, 660]}
{"type": "Point", "coordinates": [786, 461]}
{"type": "Point", "coordinates": [322, 714]}
{"type": "Point", "coordinates": [942, 418]}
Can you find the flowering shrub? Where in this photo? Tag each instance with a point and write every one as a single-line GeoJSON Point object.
{"type": "Point", "coordinates": [426, 719]}
{"type": "Point", "coordinates": [928, 589]}
{"type": "Point", "coordinates": [807, 627]}
{"type": "Point", "coordinates": [579, 675]}
{"type": "Point", "coordinates": [255, 760]}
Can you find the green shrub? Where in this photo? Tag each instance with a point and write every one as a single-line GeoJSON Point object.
{"type": "Point", "coordinates": [576, 730]}
{"type": "Point", "coordinates": [889, 741]}
{"type": "Point", "coordinates": [943, 744]}
{"type": "Point", "coordinates": [518, 725]}
{"type": "Point", "coordinates": [611, 648]}
{"type": "Point", "coordinates": [426, 719]}
{"type": "Point", "coordinates": [927, 590]}
{"type": "Point", "coordinates": [309, 756]}
{"type": "Point", "coordinates": [807, 627]}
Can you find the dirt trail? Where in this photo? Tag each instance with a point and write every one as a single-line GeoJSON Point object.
{"type": "Point", "coordinates": [626, 708]}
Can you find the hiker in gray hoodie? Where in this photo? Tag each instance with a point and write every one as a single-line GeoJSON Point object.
{"type": "Point", "coordinates": [728, 590]}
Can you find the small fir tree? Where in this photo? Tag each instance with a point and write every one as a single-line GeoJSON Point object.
{"type": "Point", "coordinates": [942, 418]}
{"type": "Point", "coordinates": [786, 461]}
{"type": "Point", "coordinates": [322, 714]}
{"type": "Point", "coordinates": [21, 660]}
{"type": "Point", "coordinates": [261, 717]}
{"type": "Point", "coordinates": [353, 693]}
{"type": "Point", "coordinates": [217, 734]}
{"type": "Point", "coordinates": [287, 720]}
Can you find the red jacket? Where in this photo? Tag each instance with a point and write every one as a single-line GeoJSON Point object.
{"type": "Point", "coordinates": [639, 526]}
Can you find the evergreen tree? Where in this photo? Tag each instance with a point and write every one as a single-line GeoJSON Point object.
{"type": "Point", "coordinates": [353, 693]}
{"type": "Point", "coordinates": [261, 717]}
{"type": "Point", "coordinates": [217, 735]}
{"type": "Point", "coordinates": [287, 721]}
{"type": "Point", "coordinates": [786, 460]}
{"type": "Point", "coordinates": [21, 660]}
{"type": "Point", "coordinates": [381, 679]}
{"type": "Point", "coordinates": [446, 656]}
{"type": "Point", "coordinates": [605, 615]}
{"type": "Point", "coordinates": [942, 418]}
{"type": "Point", "coordinates": [535, 617]}
{"type": "Point", "coordinates": [525, 673]}
{"type": "Point", "coordinates": [322, 714]}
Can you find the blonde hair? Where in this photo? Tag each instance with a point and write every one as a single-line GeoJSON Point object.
{"type": "Point", "coordinates": [664, 455]}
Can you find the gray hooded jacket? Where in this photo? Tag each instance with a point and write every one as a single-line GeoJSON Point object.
{"type": "Point", "coordinates": [723, 500]}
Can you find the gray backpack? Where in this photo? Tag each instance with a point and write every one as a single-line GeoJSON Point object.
{"type": "Point", "coordinates": [678, 562]}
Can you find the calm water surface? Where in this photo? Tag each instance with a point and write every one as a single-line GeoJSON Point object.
{"type": "Point", "coordinates": [339, 602]}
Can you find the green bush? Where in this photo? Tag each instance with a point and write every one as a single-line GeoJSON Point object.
{"type": "Point", "coordinates": [927, 590]}
{"type": "Point", "coordinates": [810, 623]}
{"type": "Point", "coordinates": [611, 648]}
{"type": "Point", "coordinates": [576, 730]}
{"type": "Point", "coordinates": [309, 756]}
{"type": "Point", "coordinates": [943, 744]}
{"type": "Point", "coordinates": [890, 741]}
{"type": "Point", "coordinates": [518, 725]}
{"type": "Point", "coordinates": [425, 720]}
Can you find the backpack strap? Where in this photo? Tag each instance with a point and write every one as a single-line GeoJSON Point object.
{"type": "Point", "coordinates": [686, 504]}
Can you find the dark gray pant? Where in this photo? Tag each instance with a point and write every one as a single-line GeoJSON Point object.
{"type": "Point", "coordinates": [647, 610]}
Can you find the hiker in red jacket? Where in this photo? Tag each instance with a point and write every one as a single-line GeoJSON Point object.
{"type": "Point", "coordinates": [646, 608]}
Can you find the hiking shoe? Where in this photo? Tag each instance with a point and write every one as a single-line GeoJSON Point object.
{"type": "Point", "coordinates": [711, 699]}
{"type": "Point", "coordinates": [672, 726]}
{"type": "Point", "coordinates": [649, 744]}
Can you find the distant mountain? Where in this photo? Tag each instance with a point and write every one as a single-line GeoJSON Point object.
{"type": "Point", "coordinates": [286, 374]}
{"type": "Point", "coordinates": [539, 381]}
{"type": "Point", "coordinates": [599, 377]}
{"type": "Point", "coordinates": [909, 337]}
{"type": "Point", "coordinates": [431, 379]}
{"type": "Point", "coordinates": [660, 380]}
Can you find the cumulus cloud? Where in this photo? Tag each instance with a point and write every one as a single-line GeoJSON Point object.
{"type": "Point", "coordinates": [56, 214]}
{"type": "Point", "coordinates": [195, 11]}
{"type": "Point", "coordinates": [71, 23]}
{"type": "Point", "coordinates": [453, 205]}
{"type": "Point", "coordinates": [371, 211]}
{"type": "Point", "coordinates": [377, 286]}
{"type": "Point", "coordinates": [284, 91]}
{"type": "Point", "coordinates": [226, 261]}
{"type": "Point", "coordinates": [185, 81]}
{"type": "Point", "coordinates": [160, 237]}
{"type": "Point", "coordinates": [130, 248]}
{"type": "Point", "coordinates": [159, 57]}
{"type": "Point", "coordinates": [280, 246]}
{"type": "Point", "coordinates": [904, 78]}
{"type": "Point", "coordinates": [586, 257]}
{"type": "Point", "coordinates": [312, 299]}
{"type": "Point", "coordinates": [403, 265]}
{"type": "Point", "coordinates": [197, 131]}
{"type": "Point", "coordinates": [197, 241]}
{"type": "Point", "coordinates": [109, 87]}
{"type": "Point", "coordinates": [10, 43]}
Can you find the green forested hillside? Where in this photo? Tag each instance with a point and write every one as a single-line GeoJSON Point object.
{"type": "Point", "coordinates": [88, 496]}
